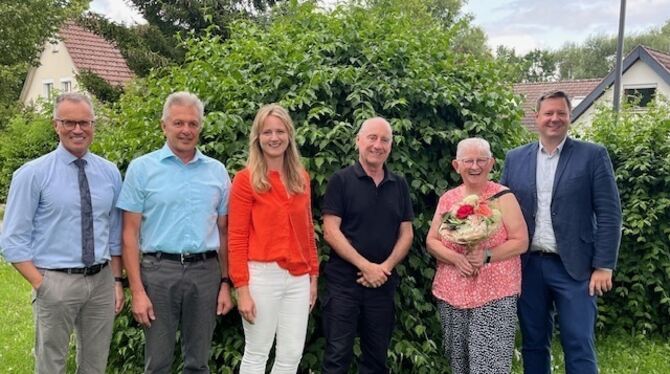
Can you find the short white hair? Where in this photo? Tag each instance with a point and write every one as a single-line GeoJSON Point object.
{"type": "Point", "coordinates": [185, 99]}
{"type": "Point", "coordinates": [74, 97]}
{"type": "Point", "coordinates": [478, 143]}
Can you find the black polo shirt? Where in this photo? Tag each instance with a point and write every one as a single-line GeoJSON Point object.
{"type": "Point", "coordinates": [371, 216]}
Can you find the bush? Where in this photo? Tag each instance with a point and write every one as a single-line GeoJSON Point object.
{"type": "Point", "coordinates": [639, 145]}
{"type": "Point", "coordinates": [332, 71]}
{"type": "Point", "coordinates": [27, 136]}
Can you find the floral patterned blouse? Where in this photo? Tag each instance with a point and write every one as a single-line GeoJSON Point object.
{"type": "Point", "coordinates": [495, 280]}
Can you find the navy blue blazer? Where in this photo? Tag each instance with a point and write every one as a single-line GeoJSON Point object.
{"type": "Point", "coordinates": [585, 205]}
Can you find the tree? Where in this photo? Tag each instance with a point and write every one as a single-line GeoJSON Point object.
{"type": "Point", "coordinates": [24, 28]}
{"type": "Point", "coordinates": [332, 70]}
{"type": "Point", "coordinates": [144, 47]}
{"type": "Point", "coordinates": [185, 16]}
{"type": "Point", "coordinates": [535, 66]}
{"type": "Point", "coordinates": [157, 44]}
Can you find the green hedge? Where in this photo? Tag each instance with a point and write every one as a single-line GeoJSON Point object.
{"type": "Point", "coordinates": [639, 145]}
{"type": "Point", "coordinates": [27, 136]}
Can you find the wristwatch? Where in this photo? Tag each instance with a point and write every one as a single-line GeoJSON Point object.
{"type": "Point", "coordinates": [227, 281]}
{"type": "Point", "coordinates": [487, 256]}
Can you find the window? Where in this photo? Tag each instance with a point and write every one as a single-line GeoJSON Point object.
{"type": "Point", "coordinates": [66, 86]}
{"type": "Point", "coordinates": [640, 97]}
{"type": "Point", "coordinates": [48, 89]}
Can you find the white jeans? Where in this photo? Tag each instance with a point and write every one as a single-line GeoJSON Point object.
{"type": "Point", "coordinates": [282, 309]}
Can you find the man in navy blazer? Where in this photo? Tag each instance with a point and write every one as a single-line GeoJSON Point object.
{"type": "Point", "coordinates": [570, 202]}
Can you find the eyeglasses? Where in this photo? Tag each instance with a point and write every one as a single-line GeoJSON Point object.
{"type": "Point", "coordinates": [481, 162]}
{"type": "Point", "coordinates": [190, 124]}
{"type": "Point", "coordinates": [71, 124]}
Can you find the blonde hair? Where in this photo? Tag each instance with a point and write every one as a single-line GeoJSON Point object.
{"type": "Point", "coordinates": [292, 168]}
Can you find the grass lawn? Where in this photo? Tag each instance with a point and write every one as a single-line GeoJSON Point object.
{"type": "Point", "coordinates": [16, 325]}
{"type": "Point", "coordinates": [617, 354]}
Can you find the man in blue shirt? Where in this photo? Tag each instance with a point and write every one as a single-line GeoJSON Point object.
{"type": "Point", "coordinates": [64, 251]}
{"type": "Point", "coordinates": [175, 203]}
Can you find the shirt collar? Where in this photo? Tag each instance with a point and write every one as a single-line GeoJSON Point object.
{"type": "Point", "coordinates": [65, 156]}
{"type": "Point", "coordinates": [166, 152]}
{"type": "Point", "coordinates": [360, 172]}
{"type": "Point", "coordinates": [558, 150]}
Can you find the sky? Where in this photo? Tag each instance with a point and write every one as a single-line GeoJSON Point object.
{"type": "Point", "coordinates": [520, 24]}
{"type": "Point", "coordinates": [549, 24]}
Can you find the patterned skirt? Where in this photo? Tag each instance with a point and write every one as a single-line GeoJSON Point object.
{"type": "Point", "coordinates": [480, 340]}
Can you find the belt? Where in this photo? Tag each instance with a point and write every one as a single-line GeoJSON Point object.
{"type": "Point", "coordinates": [183, 257]}
{"type": "Point", "coordinates": [545, 254]}
{"type": "Point", "coordinates": [91, 270]}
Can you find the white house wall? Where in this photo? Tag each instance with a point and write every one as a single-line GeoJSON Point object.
{"type": "Point", "coordinates": [56, 66]}
{"type": "Point", "coordinates": [640, 74]}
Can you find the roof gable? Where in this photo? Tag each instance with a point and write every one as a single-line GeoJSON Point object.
{"type": "Point", "coordinates": [658, 61]}
{"type": "Point", "coordinates": [92, 52]}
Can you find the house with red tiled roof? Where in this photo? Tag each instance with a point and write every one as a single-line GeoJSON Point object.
{"type": "Point", "coordinates": [75, 50]}
{"type": "Point", "coordinates": [645, 76]}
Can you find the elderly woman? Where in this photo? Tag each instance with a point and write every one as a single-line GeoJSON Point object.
{"type": "Point", "coordinates": [477, 283]}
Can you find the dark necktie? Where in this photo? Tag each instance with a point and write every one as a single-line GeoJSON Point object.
{"type": "Point", "coordinates": [87, 244]}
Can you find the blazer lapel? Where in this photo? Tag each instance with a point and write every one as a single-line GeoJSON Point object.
{"type": "Point", "coordinates": [563, 161]}
{"type": "Point", "coordinates": [532, 173]}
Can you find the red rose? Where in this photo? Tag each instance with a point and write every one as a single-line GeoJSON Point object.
{"type": "Point", "coordinates": [464, 211]}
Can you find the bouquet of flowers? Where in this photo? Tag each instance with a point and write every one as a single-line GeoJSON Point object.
{"type": "Point", "coordinates": [470, 221]}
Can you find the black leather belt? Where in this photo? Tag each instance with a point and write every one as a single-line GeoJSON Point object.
{"type": "Point", "coordinates": [545, 254]}
{"type": "Point", "coordinates": [183, 257]}
{"type": "Point", "coordinates": [91, 270]}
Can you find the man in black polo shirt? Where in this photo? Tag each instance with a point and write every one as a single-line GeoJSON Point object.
{"type": "Point", "coordinates": [367, 221]}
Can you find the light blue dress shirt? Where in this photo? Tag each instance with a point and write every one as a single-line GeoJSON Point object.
{"type": "Point", "coordinates": [43, 216]}
{"type": "Point", "coordinates": [180, 203]}
{"type": "Point", "coordinates": [544, 238]}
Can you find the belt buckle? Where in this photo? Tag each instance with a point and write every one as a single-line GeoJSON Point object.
{"type": "Point", "coordinates": [182, 257]}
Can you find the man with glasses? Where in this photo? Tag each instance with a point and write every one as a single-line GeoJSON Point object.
{"type": "Point", "coordinates": [175, 203]}
{"type": "Point", "coordinates": [570, 202]}
{"type": "Point", "coordinates": [61, 231]}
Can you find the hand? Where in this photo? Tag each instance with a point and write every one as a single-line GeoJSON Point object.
{"type": "Point", "coordinates": [463, 265]}
{"type": "Point", "coordinates": [373, 275]}
{"type": "Point", "coordinates": [119, 297]}
{"type": "Point", "coordinates": [38, 282]}
{"type": "Point", "coordinates": [143, 309]}
{"type": "Point", "coordinates": [224, 303]}
{"type": "Point", "coordinates": [476, 257]}
{"type": "Point", "coordinates": [313, 287]}
{"type": "Point", "coordinates": [601, 282]}
{"type": "Point", "coordinates": [245, 304]}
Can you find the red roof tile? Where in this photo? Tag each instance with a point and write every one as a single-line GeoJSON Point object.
{"type": "Point", "coordinates": [92, 52]}
{"type": "Point", "coordinates": [662, 57]}
{"type": "Point", "coordinates": [531, 91]}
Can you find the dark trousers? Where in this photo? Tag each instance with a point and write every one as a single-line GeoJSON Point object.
{"type": "Point", "coordinates": [354, 310]}
{"type": "Point", "coordinates": [183, 297]}
{"type": "Point", "coordinates": [546, 286]}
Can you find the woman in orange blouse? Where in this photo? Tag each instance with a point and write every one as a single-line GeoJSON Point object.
{"type": "Point", "coordinates": [272, 255]}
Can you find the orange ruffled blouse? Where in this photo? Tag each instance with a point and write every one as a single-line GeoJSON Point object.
{"type": "Point", "coordinates": [271, 226]}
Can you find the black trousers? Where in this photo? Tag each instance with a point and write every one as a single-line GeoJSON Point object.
{"type": "Point", "coordinates": [352, 310]}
